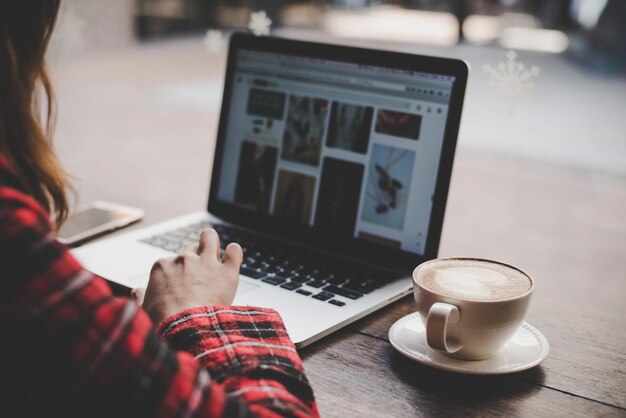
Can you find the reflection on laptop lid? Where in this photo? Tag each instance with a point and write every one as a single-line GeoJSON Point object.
{"type": "Point", "coordinates": [335, 151]}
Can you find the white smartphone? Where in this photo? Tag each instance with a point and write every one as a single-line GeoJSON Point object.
{"type": "Point", "coordinates": [95, 219]}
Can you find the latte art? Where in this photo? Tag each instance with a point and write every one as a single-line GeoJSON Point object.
{"type": "Point", "coordinates": [474, 280]}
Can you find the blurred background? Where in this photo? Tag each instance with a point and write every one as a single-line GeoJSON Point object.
{"type": "Point", "coordinates": [540, 171]}
{"type": "Point", "coordinates": [579, 46]}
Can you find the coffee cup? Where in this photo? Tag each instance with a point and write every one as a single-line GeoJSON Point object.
{"type": "Point", "coordinates": [470, 307]}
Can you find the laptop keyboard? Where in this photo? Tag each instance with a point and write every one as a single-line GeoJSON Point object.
{"type": "Point", "coordinates": [322, 277]}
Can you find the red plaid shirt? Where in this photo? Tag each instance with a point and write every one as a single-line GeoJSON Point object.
{"type": "Point", "coordinates": [70, 348]}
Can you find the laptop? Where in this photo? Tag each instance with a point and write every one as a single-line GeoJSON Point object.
{"type": "Point", "coordinates": [331, 169]}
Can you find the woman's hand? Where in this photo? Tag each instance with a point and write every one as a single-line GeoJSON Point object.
{"type": "Point", "coordinates": [198, 276]}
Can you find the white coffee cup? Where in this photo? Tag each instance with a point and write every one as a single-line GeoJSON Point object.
{"type": "Point", "coordinates": [470, 307]}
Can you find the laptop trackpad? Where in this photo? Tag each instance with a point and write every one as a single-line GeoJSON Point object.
{"type": "Point", "coordinates": [245, 287]}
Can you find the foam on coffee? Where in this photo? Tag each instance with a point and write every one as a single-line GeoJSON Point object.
{"type": "Point", "coordinates": [473, 279]}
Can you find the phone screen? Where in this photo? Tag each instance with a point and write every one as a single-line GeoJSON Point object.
{"type": "Point", "coordinates": [86, 220]}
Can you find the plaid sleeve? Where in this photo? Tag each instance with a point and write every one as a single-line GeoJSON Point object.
{"type": "Point", "coordinates": [248, 351]}
{"type": "Point", "coordinates": [70, 348]}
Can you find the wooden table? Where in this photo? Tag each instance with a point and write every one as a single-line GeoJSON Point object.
{"type": "Point", "coordinates": [129, 140]}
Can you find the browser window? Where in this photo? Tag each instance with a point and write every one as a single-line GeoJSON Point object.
{"type": "Point", "coordinates": [339, 146]}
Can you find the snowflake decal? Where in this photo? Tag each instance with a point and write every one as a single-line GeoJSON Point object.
{"type": "Point", "coordinates": [260, 24]}
{"type": "Point", "coordinates": [70, 33]}
{"type": "Point", "coordinates": [214, 41]}
{"type": "Point", "coordinates": [511, 81]}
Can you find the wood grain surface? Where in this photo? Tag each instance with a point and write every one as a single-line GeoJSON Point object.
{"type": "Point", "coordinates": [131, 131]}
{"type": "Point", "coordinates": [355, 375]}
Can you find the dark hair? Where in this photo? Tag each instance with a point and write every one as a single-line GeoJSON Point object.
{"type": "Point", "coordinates": [25, 134]}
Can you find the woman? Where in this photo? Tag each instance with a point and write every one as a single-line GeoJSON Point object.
{"type": "Point", "coordinates": [68, 346]}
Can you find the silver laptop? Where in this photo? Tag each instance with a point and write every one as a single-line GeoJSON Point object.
{"type": "Point", "coordinates": [331, 169]}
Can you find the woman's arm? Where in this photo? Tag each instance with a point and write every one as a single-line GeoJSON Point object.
{"type": "Point", "coordinates": [73, 349]}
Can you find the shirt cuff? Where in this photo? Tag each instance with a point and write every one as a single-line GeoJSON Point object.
{"type": "Point", "coordinates": [200, 330]}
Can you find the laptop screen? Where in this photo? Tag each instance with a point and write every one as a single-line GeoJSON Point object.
{"type": "Point", "coordinates": [341, 147]}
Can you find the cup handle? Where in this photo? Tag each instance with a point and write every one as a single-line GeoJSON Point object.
{"type": "Point", "coordinates": [439, 315]}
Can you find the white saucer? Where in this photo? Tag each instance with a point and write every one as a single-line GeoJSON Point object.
{"type": "Point", "coordinates": [526, 349]}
